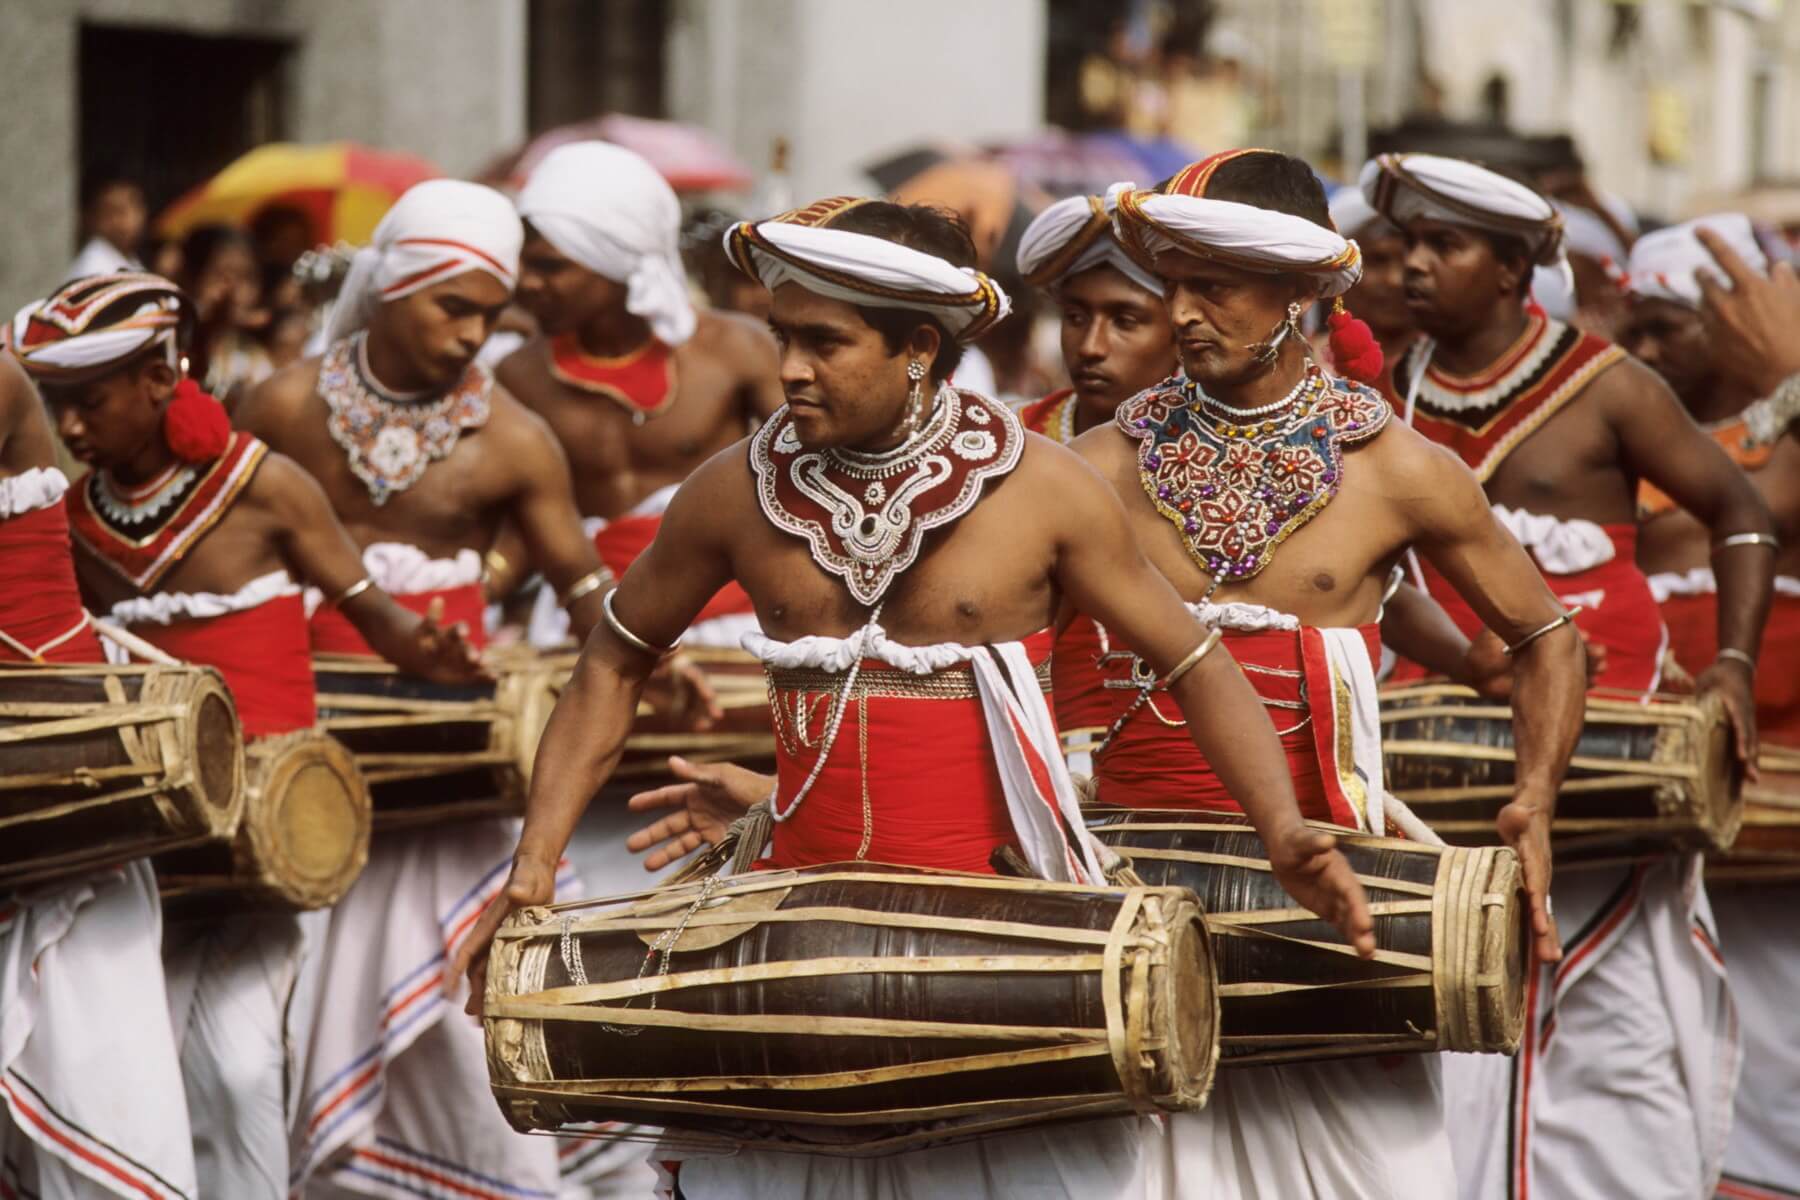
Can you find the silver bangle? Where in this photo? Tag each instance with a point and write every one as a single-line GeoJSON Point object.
{"type": "Point", "coordinates": [1747, 539]}
{"type": "Point", "coordinates": [625, 635]}
{"type": "Point", "coordinates": [352, 592]}
{"type": "Point", "coordinates": [1187, 664]}
{"type": "Point", "coordinates": [1732, 652]}
{"type": "Point", "coordinates": [1535, 634]}
{"type": "Point", "coordinates": [594, 580]}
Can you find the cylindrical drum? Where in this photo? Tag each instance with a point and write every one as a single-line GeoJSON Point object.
{"type": "Point", "coordinates": [303, 839]}
{"type": "Point", "coordinates": [1450, 934]}
{"type": "Point", "coordinates": [745, 734]}
{"type": "Point", "coordinates": [852, 1009]}
{"type": "Point", "coordinates": [102, 764]}
{"type": "Point", "coordinates": [436, 752]}
{"type": "Point", "coordinates": [1646, 777]}
{"type": "Point", "coordinates": [1767, 849]}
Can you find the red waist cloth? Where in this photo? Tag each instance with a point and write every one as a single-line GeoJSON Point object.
{"type": "Point", "coordinates": [1693, 623]}
{"type": "Point", "coordinates": [263, 654]}
{"type": "Point", "coordinates": [622, 539]}
{"type": "Point", "coordinates": [1153, 763]}
{"type": "Point", "coordinates": [923, 767]}
{"type": "Point", "coordinates": [332, 632]}
{"type": "Point", "coordinates": [1082, 701]}
{"type": "Point", "coordinates": [1618, 612]}
{"type": "Point", "coordinates": [39, 601]}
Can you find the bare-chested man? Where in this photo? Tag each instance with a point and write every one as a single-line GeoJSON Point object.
{"type": "Point", "coordinates": [960, 570]}
{"type": "Point", "coordinates": [1560, 426]}
{"type": "Point", "coordinates": [81, 971]}
{"type": "Point", "coordinates": [196, 537]}
{"type": "Point", "coordinates": [1728, 389]}
{"type": "Point", "coordinates": [638, 387]}
{"type": "Point", "coordinates": [423, 459]}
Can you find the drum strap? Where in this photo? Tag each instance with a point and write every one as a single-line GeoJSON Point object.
{"type": "Point", "coordinates": [1124, 1030]}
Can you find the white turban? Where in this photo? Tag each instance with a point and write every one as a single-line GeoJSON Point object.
{"type": "Point", "coordinates": [1402, 187]}
{"type": "Point", "coordinates": [60, 339]}
{"type": "Point", "coordinates": [1076, 235]}
{"type": "Point", "coordinates": [861, 269]}
{"type": "Point", "coordinates": [438, 230]}
{"type": "Point", "coordinates": [1238, 235]}
{"type": "Point", "coordinates": [1351, 213]}
{"type": "Point", "coordinates": [1665, 265]}
{"type": "Point", "coordinates": [609, 210]}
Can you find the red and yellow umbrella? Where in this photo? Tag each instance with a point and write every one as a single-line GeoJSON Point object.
{"type": "Point", "coordinates": [342, 188]}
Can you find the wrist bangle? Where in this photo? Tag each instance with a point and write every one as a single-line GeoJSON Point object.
{"type": "Point", "coordinates": [1535, 634]}
{"type": "Point", "coordinates": [1737, 655]}
{"type": "Point", "coordinates": [1187, 664]}
{"type": "Point", "coordinates": [593, 581]}
{"type": "Point", "coordinates": [625, 635]}
{"type": "Point", "coordinates": [352, 592]}
{"type": "Point", "coordinates": [1747, 539]}
{"type": "Point", "coordinates": [498, 565]}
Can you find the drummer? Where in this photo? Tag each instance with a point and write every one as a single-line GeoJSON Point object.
{"type": "Point", "coordinates": [83, 998]}
{"type": "Point", "coordinates": [422, 458]}
{"type": "Point", "coordinates": [873, 303]}
{"type": "Point", "coordinates": [1729, 390]}
{"type": "Point", "coordinates": [196, 537]}
{"type": "Point", "coordinates": [1560, 426]}
{"type": "Point", "coordinates": [639, 388]}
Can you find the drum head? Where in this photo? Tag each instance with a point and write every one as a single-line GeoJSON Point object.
{"type": "Point", "coordinates": [309, 825]}
{"type": "Point", "coordinates": [217, 748]}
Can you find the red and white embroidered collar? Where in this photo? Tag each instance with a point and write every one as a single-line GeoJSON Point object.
{"type": "Point", "coordinates": [389, 440]}
{"type": "Point", "coordinates": [863, 516]}
{"type": "Point", "coordinates": [642, 382]}
{"type": "Point", "coordinates": [142, 554]}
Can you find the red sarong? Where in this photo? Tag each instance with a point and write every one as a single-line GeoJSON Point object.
{"type": "Point", "coordinates": [1081, 698]}
{"type": "Point", "coordinates": [39, 600]}
{"type": "Point", "coordinates": [924, 767]}
{"type": "Point", "coordinates": [622, 539]}
{"type": "Point", "coordinates": [262, 652]}
{"type": "Point", "coordinates": [1693, 622]}
{"type": "Point", "coordinates": [1153, 763]}
{"type": "Point", "coordinates": [332, 632]}
{"type": "Point", "coordinates": [1618, 612]}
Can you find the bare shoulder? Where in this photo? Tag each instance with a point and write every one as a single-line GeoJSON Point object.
{"type": "Point", "coordinates": [513, 427]}
{"type": "Point", "coordinates": [270, 409]}
{"type": "Point", "coordinates": [1627, 385]}
{"type": "Point", "coordinates": [25, 437]}
{"type": "Point", "coordinates": [735, 338]}
{"type": "Point", "coordinates": [284, 487]}
{"type": "Point", "coordinates": [521, 371]}
{"type": "Point", "coordinates": [1405, 465]}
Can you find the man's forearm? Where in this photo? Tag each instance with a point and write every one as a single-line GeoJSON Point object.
{"type": "Point", "coordinates": [1743, 575]}
{"type": "Point", "coordinates": [1549, 705]}
{"type": "Point", "coordinates": [1228, 723]}
{"type": "Point", "coordinates": [580, 749]}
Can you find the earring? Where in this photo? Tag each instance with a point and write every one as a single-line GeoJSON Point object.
{"type": "Point", "coordinates": [915, 398]}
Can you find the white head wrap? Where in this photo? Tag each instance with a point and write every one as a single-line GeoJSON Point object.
{"type": "Point", "coordinates": [1076, 235]}
{"type": "Point", "coordinates": [1352, 214]}
{"type": "Point", "coordinates": [438, 230]}
{"type": "Point", "coordinates": [1404, 186]}
{"type": "Point", "coordinates": [861, 269]}
{"type": "Point", "coordinates": [609, 210]}
{"type": "Point", "coordinates": [1664, 264]}
{"type": "Point", "coordinates": [1238, 235]}
{"type": "Point", "coordinates": [60, 339]}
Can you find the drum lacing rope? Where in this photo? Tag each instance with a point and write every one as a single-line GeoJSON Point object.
{"type": "Point", "coordinates": [663, 947]}
{"type": "Point", "coordinates": [832, 726]}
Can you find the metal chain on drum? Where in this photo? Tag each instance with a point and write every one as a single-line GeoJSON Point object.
{"type": "Point", "coordinates": [662, 946]}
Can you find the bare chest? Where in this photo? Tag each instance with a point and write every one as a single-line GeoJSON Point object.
{"type": "Point", "coordinates": [1568, 468]}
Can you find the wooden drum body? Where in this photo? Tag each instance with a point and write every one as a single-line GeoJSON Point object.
{"type": "Point", "coordinates": [1450, 930]}
{"type": "Point", "coordinates": [434, 752]}
{"type": "Point", "coordinates": [1767, 849]}
{"type": "Point", "coordinates": [852, 1009]}
{"type": "Point", "coordinates": [101, 764]}
{"type": "Point", "coordinates": [303, 840]}
{"type": "Point", "coordinates": [1645, 777]}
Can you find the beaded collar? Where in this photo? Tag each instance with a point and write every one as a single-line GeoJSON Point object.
{"type": "Point", "coordinates": [641, 382]}
{"type": "Point", "coordinates": [390, 439]}
{"type": "Point", "coordinates": [124, 507]}
{"type": "Point", "coordinates": [863, 516]}
{"type": "Point", "coordinates": [1236, 489]}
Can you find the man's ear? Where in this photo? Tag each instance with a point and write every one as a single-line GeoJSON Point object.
{"type": "Point", "coordinates": [158, 379]}
{"type": "Point", "coordinates": [1512, 273]}
{"type": "Point", "coordinates": [925, 343]}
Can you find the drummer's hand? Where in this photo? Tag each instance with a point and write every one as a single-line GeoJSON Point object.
{"type": "Point", "coordinates": [444, 654]}
{"type": "Point", "coordinates": [532, 882]}
{"type": "Point", "coordinates": [1309, 866]}
{"type": "Point", "coordinates": [710, 798]}
{"type": "Point", "coordinates": [680, 688]}
{"type": "Point", "coordinates": [1524, 825]}
{"type": "Point", "coordinates": [1734, 684]}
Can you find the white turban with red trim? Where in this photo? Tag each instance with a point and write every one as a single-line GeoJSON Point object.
{"type": "Point", "coordinates": [1665, 265]}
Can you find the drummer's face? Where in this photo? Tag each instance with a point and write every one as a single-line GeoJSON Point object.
{"type": "Point", "coordinates": [428, 339]}
{"type": "Point", "coordinates": [844, 386]}
{"type": "Point", "coordinates": [1670, 340]}
{"type": "Point", "coordinates": [116, 420]}
{"type": "Point", "coordinates": [1224, 316]}
{"type": "Point", "coordinates": [560, 292]}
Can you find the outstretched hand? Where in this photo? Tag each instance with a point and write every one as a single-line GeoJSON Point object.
{"type": "Point", "coordinates": [532, 882]}
{"type": "Point", "coordinates": [1731, 682]}
{"type": "Point", "coordinates": [1309, 866]}
{"type": "Point", "coordinates": [708, 799]}
{"type": "Point", "coordinates": [1524, 825]}
{"type": "Point", "coordinates": [443, 654]}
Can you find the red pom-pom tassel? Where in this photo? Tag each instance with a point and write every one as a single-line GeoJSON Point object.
{"type": "Point", "coordinates": [1354, 348]}
{"type": "Point", "coordinates": [195, 424]}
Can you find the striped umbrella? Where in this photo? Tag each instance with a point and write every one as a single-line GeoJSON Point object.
{"type": "Point", "coordinates": [342, 188]}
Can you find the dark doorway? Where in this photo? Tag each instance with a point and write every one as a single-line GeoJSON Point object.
{"type": "Point", "coordinates": [170, 109]}
{"type": "Point", "coordinates": [589, 57]}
